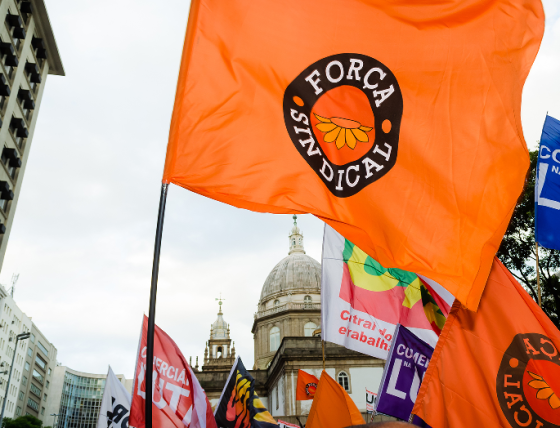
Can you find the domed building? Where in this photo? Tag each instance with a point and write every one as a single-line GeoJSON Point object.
{"type": "Point", "coordinates": [290, 302]}
{"type": "Point", "coordinates": [286, 333]}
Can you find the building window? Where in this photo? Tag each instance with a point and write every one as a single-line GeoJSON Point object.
{"type": "Point", "coordinates": [38, 376]}
{"type": "Point", "coordinates": [42, 348]}
{"type": "Point", "coordinates": [26, 366]}
{"type": "Point", "coordinates": [33, 404]}
{"type": "Point", "coordinates": [40, 362]}
{"type": "Point", "coordinates": [30, 352]}
{"type": "Point", "coordinates": [343, 381]}
{"type": "Point", "coordinates": [307, 301]}
{"type": "Point", "coordinates": [274, 339]}
{"type": "Point", "coordinates": [35, 390]}
{"type": "Point", "coordinates": [309, 328]}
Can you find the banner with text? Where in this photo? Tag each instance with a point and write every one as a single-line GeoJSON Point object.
{"type": "Point", "coordinates": [178, 400]}
{"type": "Point", "coordinates": [362, 302]}
{"type": "Point", "coordinates": [404, 371]}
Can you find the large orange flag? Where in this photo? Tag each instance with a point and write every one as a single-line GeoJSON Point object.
{"type": "Point", "coordinates": [397, 123]}
{"type": "Point", "coordinates": [499, 367]}
{"type": "Point", "coordinates": [332, 406]}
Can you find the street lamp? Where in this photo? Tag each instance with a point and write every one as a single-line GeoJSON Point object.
{"type": "Point", "coordinates": [21, 336]}
{"type": "Point", "coordinates": [54, 415]}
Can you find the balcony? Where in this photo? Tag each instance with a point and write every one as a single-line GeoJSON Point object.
{"type": "Point", "coordinates": [290, 306]}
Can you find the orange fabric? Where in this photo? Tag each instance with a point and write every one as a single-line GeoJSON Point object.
{"type": "Point", "coordinates": [441, 206]}
{"type": "Point", "coordinates": [306, 386]}
{"type": "Point", "coordinates": [480, 371]}
{"type": "Point", "coordinates": [332, 406]}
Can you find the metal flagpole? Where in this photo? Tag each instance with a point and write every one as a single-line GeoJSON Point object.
{"type": "Point", "coordinates": [538, 274]}
{"type": "Point", "coordinates": [323, 346]}
{"type": "Point", "coordinates": [152, 313]}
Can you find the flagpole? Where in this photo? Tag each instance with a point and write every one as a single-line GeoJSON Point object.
{"type": "Point", "coordinates": [538, 274]}
{"type": "Point", "coordinates": [152, 312]}
{"type": "Point", "coordinates": [323, 346]}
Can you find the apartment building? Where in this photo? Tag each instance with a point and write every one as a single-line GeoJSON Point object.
{"type": "Point", "coordinates": [12, 322]}
{"type": "Point", "coordinates": [28, 54]}
{"type": "Point", "coordinates": [34, 386]}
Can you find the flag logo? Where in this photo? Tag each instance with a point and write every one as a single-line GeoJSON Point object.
{"type": "Point", "coordinates": [343, 114]}
{"type": "Point", "coordinates": [310, 388]}
{"type": "Point", "coordinates": [528, 382]}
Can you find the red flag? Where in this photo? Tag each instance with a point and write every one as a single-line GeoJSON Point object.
{"type": "Point", "coordinates": [306, 386]}
{"type": "Point", "coordinates": [178, 400]}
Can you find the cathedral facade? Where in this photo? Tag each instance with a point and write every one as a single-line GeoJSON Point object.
{"type": "Point", "coordinates": [286, 333]}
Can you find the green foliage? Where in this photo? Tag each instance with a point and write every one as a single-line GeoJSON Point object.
{"type": "Point", "coordinates": [27, 421]}
{"type": "Point", "coordinates": [517, 251]}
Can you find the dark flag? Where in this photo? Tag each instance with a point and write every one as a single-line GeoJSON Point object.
{"type": "Point", "coordinates": [239, 405]}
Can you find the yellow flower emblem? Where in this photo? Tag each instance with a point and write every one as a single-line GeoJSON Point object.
{"type": "Point", "coordinates": [342, 131]}
{"type": "Point", "coordinates": [544, 392]}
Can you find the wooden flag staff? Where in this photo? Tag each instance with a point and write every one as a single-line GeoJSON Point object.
{"type": "Point", "coordinates": [152, 312]}
{"type": "Point", "coordinates": [538, 274]}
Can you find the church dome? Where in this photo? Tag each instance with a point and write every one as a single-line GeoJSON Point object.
{"type": "Point", "coordinates": [295, 274]}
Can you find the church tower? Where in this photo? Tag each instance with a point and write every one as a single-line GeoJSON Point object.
{"type": "Point", "coordinates": [219, 353]}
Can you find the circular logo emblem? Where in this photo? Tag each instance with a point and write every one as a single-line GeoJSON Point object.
{"type": "Point", "coordinates": [310, 388]}
{"type": "Point", "coordinates": [343, 114]}
{"type": "Point", "coordinates": [528, 382]}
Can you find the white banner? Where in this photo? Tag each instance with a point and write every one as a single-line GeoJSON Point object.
{"type": "Point", "coordinates": [115, 405]}
{"type": "Point", "coordinates": [362, 302]}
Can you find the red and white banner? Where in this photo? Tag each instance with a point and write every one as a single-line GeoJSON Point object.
{"type": "Point", "coordinates": [178, 400]}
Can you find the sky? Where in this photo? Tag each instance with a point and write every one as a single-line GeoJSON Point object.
{"type": "Point", "coordinates": [83, 235]}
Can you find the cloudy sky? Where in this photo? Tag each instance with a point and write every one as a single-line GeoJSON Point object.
{"type": "Point", "coordinates": [82, 239]}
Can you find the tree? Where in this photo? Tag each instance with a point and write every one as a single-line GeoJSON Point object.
{"type": "Point", "coordinates": [518, 253]}
{"type": "Point", "coordinates": [27, 421]}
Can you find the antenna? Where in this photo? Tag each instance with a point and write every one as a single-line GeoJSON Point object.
{"type": "Point", "coordinates": [15, 278]}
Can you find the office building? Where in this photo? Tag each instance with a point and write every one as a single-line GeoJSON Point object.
{"type": "Point", "coordinates": [28, 53]}
{"type": "Point", "coordinates": [75, 398]}
{"type": "Point", "coordinates": [34, 386]}
{"type": "Point", "coordinates": [12, 322]}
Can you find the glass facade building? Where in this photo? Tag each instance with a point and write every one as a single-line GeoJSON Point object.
{"type": "Point", "coordinates": [80, 401]}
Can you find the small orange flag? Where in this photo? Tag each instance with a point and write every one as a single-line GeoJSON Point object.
{"type": "Point", "coordinates": [306, 386]}
{"type": "Point", "coordinates": [396, 122]}
{"type": "Point", "coordinates": [499, 367]}
{"type": "Point", "coordinates": [332, 406]}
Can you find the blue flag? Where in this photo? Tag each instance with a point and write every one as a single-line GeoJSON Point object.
{"type": "Point", "coordinates": [547, 187]}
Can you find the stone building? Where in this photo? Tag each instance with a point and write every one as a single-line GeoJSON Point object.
{"type": "Point", "coordinates": [286, 336]}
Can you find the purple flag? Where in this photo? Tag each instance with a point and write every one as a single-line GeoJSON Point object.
{"type": "Point", "coordinates": [407, 362]}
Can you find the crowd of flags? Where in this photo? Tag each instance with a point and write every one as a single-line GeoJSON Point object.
{"type": "Point", "coordinates": [409, 272]}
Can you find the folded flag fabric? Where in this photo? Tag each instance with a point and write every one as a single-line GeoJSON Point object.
{"type": "Point", "coordinates": [362, 302]}
{"type": "Point", "coordinates": [396, 124]}
{"type": "Point", "coordinates": [306, 386]}
{"type": "Point", "coordinates": [239, 405]}
{"type": "Point", "coordinates": [498, 367]}
{"type": "Point", "coordinates": [115, 404]}
{"type": "Point", "coordinates": [332, 406]}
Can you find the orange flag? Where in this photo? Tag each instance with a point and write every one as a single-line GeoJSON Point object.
{"type": "Point", "coordinates": [306, 386]}
{"type": "Point", "coordinates": [499, 367]}
{"type": "Point", "coordinates": [397, 123]}
{"type": "Point", "coordinates": [332, 406]}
